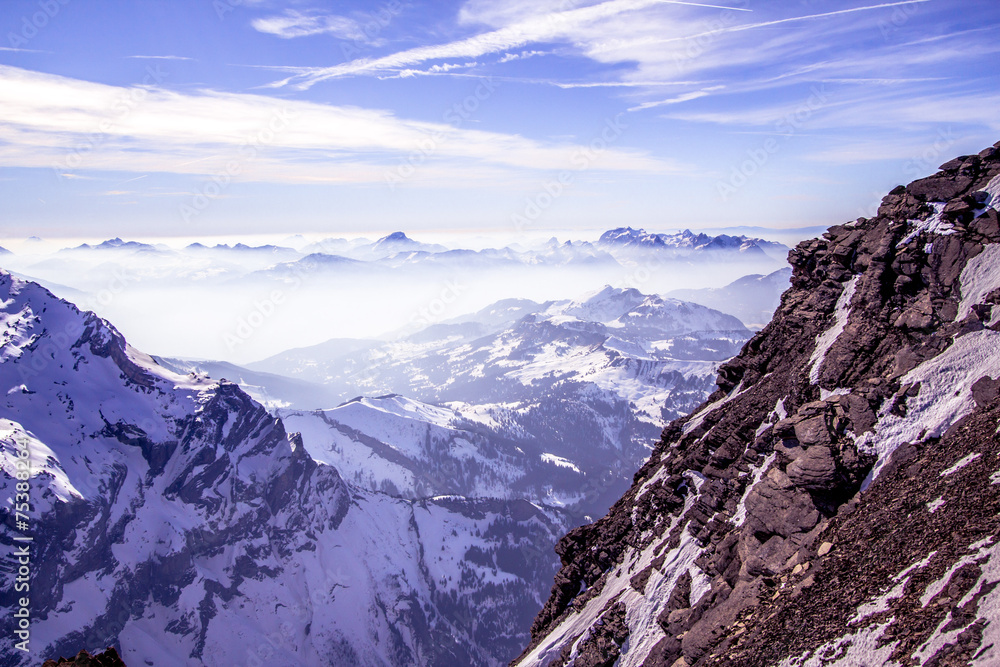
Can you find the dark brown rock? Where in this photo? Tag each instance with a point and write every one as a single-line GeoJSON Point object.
{"type": "Point", "coordinates": [108, 658]}
{"type": "Point", "coordinates": [985, 391]}
{"type": "Point", "coordinates": [936, 188]}
{"type": "Point", "coordinates": [813, 431]}
{"type": "Point", "coordinates": [816, 469]}
{"type": "Point", "coordinates": [776, 507]}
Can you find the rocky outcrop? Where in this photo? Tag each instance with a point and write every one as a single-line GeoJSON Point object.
{"type": "Point", "coordinates": [107, 658]}
{"type": "Point", "coordinates": [834, 502]}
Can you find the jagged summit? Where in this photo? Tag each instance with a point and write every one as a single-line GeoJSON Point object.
{"type": "Point", "coordinates": [686, 240]}
{"type": "Point", "coordinates": [834, 502]}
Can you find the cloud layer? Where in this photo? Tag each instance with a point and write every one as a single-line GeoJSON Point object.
{"type": "Point", "coordinates": [73, 125]}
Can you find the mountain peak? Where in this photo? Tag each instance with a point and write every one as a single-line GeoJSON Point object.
{"type": "Point", "coordinates": [396, 237]}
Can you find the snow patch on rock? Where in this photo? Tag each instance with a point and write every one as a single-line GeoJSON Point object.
{"type": "Point", "coordinates": [945, 396]}
{"type": "Point", "coordinates": [825, 340]}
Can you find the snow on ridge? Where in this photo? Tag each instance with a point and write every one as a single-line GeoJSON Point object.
{"type": "Point", "coordinates": [980, 276]}
{"type": "Point", "coordinates": [961, 464]}
{"type": "Point", "coordinates": [987, 608]}
{"type": "Point", "coordinates": [853, 649]}
{"type": "Point", "coordinates": [933, 224]}
{"type": "Point", "coordinates": [642, 608]}
{"type": "Point", "coordinates": [699, 417]}
{"type": "Point", "coordinates": [825, 340]}
{"type": "Point", "coordinates": [935, 505]}
{"type": "Point", "coordinates": [559, 461]}
{"type": "Point", "coordinates": [42, 460]}
{"type": "Point", "coordinates": [756, 472]}
{"type": "Point", "coordinates": [946, 380]}
{"type": "Point", "coordinates": [405, 408]}
{"type": "Point", "coordinates": [945, 396]}
{"type": "Point", "coordinates": [977, 552]}
{"type": "Point", "coordinates": [993, 188]}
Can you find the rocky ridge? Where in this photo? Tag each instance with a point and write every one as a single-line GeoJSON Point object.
{"type": "Point", "coordinates": [834, 501]}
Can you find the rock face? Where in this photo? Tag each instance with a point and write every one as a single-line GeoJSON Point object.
{"type": "Point", "coordinates": [836, 500]}
{"type": "Point", "coordinates": [108, 658]}
{"type": "Point", "coordinates": [175, 519]}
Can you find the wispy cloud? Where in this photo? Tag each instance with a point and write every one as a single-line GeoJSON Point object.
{"type": "Point", "coordinates": [48, 119]}
{"type": "Point", "coordinates": [297, 24]}
{"type": "Point", "coordinates": [649, 41]}
{"type": "Point", "coordinates": [523, 55]}
{"type": "Point", "coordinates": [554, 26]}
{"type": "Point", "coordinates": [685, 97]}
{"type": "Point", "coordinates": [650, 44]}
{"type": "Point", "coordinates": [161, 57]}
{"type": "Point", "coordinates": [860, 109]}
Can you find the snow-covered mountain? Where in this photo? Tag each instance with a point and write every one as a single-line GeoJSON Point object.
{"type": "Point", "coordinates": [474, 356]}
{"type": "Point", "coordinates": [555, 402]}
{"type": "Point", "coordinates": [753, 299]}
{"type": "Point", "coordinates": [835, 501]}
{"type": "Point", "coordinates": [173, 517]}
{"type": "Point", "coordinates": [687, 243]}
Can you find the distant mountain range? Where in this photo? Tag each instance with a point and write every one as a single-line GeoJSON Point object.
{"type": "Point", "coordinates": [753, 299]}
{"type": "Point", "coordinates": [691, 242]}
{"type": "Point", "coordinates": [141, 286]}
{"type": "Point", "coordinates": [397, 249]}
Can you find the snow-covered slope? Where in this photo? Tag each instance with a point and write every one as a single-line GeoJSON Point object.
{"type": "Point", "coordinates": [586, 382]}
{"type": "Point", "coordinates": [173, 517]}
{"type": "Point", "coordinates": [835, 501]}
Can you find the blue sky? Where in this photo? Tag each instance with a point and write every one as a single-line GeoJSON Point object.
{"type": "Point", "coordinates": [152, 118]}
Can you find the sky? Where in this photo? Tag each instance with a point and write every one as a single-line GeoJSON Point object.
{"type": "Point", "coordinates": [190, 118]}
